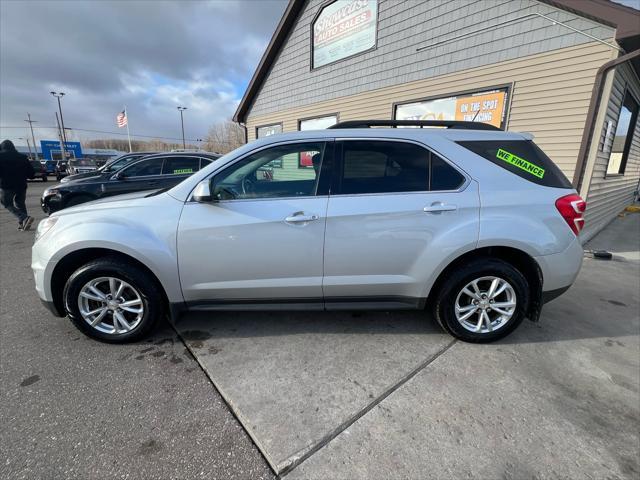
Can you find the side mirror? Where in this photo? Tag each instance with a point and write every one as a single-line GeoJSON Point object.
{"type": "Point", "coordinates": [121, 175]}
{"type": "Point", "coordinates": [202, 192]}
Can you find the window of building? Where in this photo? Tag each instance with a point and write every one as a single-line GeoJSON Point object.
{"type": "Point", "coordinates": [623, 136]}
{"type": "Point", "coordinates": [268, 130]}
{"type": "Point", "coordinates": [384, 167]}
{"type": "Point", "coordinates": [252, 176]}
{"type": "Point", "coordinates": [488, 106]}
{"type": "Point", "coordinates": [318, 123]}
{"type": "Point", "coordinates": [342, 29]}
{"type": "Point", "coordinates": [305, 159]}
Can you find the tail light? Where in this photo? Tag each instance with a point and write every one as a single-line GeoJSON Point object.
{"type": "Point", "coordinates": [572, 208]}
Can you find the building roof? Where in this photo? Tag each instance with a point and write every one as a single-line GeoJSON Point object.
{"type": "Point", "coordinates": [625, 20]}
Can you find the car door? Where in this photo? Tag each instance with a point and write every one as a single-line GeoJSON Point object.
{"type": "Point", "coordinates": [396, 210]}
{"type": "Point", "coordinates": [145, 174]}
{"type": "Point", "coordinates": [260, 241]}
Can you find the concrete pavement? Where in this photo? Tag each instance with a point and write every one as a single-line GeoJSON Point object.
{"type": "Point", "coordinates": [380, 395]}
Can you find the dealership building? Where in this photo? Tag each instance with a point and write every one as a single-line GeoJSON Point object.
{"type": "Point", "coordinates": [565, 71]}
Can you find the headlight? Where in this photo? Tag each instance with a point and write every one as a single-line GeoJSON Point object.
{"type": "Point", "coordinates": [44, 226]}
{"type": "Point", "coordinates": [50, 191]}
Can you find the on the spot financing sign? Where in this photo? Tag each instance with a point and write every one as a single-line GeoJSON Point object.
{"type": "Point", "coordinates": [344, 28]}
{"type": "Point", "coordinates": [485, 107]}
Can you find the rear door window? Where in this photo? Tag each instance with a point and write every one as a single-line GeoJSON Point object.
{"type": "Point", "coordinates": [393, 167]}
{"type": "Point", "coordinates": [181, 165]}
{"type": "Point", "coordinates": [522, 158]}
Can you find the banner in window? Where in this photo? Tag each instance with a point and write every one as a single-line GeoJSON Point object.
{"type": "Point", "coordinates": [486, 107]}
{"type": "Point", "coordinates": [342, 29]}
{"type": "Point", "coordinates": [305, 159]}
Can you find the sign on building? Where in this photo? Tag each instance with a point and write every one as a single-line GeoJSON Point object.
{"type": "Point", "coordinates": [344, 28]}
{"type": "Point", "coordinates": [52, 150]}
{"type": "Point", "coordinates": [485, 106]}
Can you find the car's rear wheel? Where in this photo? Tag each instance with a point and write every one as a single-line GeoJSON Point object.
{"type": "Point", "coordinates": [113, 301]}
{"type": "Point", "coordinates": [482, 301]}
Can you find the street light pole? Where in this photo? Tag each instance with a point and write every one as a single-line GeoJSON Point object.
{"type": "Point", "coordinates": [59, 95]}
{"type": "Point", "coordinates": [33, 137]}
{"type": "Point", "coordinates": [182, 109]}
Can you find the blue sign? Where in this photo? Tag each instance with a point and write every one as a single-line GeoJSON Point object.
{"type": "Point", "coordinates": [51, 149]}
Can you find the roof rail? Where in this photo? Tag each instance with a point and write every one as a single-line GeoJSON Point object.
{"type": "Point", "coordinates": [456, 124]}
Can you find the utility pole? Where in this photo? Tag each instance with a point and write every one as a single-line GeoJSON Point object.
{"type": "Point", "coordinates": [28, 146]}
{"type": "Point", "coordinates": [59, 95]}
{"type": "Point", "coordinates": [62, 145]}
{"type": "Point", "coordinates": [33, 137]}
{"type": "Point", "coordinates": [182, 109]}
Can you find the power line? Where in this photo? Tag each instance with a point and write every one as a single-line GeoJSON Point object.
{"type": "Point", "coordinates": [114, 133]}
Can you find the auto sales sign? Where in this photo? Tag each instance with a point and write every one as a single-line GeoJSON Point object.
{"type": "Point", "coordinates": [344, 28]}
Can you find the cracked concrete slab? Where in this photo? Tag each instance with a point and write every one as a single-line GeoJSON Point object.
{"type": "Point", "coordinates": [294, 377]}
{"type": "Point", "coordinates": [558, 399]}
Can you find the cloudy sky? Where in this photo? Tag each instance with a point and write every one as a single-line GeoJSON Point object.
{"type": "Point", "coordinates": [148, 55]}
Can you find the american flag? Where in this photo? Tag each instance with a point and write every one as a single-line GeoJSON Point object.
{"type": "Point", "coordinates": [121, 119]}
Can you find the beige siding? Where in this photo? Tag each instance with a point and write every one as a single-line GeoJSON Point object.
{"type": "Point", "coordinates": [417, 40]}
{"type": "Point", "coordinates": [608, 195]}
{"type": "Point", "coordinates": [550, 97]}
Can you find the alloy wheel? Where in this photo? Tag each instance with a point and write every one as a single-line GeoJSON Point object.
{"type": "Point", "coordinates": [485, 304]}
{"type": "Point", "coordinates": [110, 305]}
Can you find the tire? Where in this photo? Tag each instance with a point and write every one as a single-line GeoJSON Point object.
{"type": "Point", "coordinates": [140, 291]}
{"type": "Point", "coordinates": [77, 200]}
{"type": "Point", "coordinates": [451, 299]}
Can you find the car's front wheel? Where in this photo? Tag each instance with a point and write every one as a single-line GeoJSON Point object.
{"type": "Point", "coordinates": [113, 301]}
{"type": "Point", "coordinates": [482, 301]}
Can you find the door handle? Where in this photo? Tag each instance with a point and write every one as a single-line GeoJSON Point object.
{"type": "Point", "coordinates": [300, 217]}
{"type": "Point", "coordinates": [439, 207]}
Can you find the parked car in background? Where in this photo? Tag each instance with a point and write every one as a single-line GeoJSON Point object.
{"type": "Point", "coordinates": [81, 165]}
{"type": "Point", "coordinates": [111, 166]}
{"type": "Point", "coordinates": [476, 223]}
{"type": "Point", "coordinates": [60, 170]}
{"type": "Point", "coordinates": [163, 170]}
{"type": "Point", "coordinates": [50, 166]}
{"type": "Point", "coordinates": [39, 169]}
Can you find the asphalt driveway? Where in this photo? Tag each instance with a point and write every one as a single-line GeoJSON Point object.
{"type": "Point", "coordinates": [71, 407]}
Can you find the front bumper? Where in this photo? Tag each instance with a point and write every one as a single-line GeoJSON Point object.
{"type": "Point", "coordinates": [51, 203]}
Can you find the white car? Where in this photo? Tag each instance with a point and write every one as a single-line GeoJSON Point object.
{"type": "Point", "coordinates": [476, 223]}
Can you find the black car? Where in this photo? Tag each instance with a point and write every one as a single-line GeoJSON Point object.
{"type": "Point", "coordinates": [163, 170]}
{"type": "Point", "coordinates": [39, 169]}
{"type": "Point", "coordinates": [111, 166]}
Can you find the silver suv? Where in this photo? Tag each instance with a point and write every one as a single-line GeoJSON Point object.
{"type": "Point", "coordinates": [474, 222]}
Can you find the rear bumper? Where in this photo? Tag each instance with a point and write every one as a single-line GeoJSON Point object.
{"type": "Point", "coordinates": [560, 270]}
{"type": "Point", "coordinates": [553, 294]}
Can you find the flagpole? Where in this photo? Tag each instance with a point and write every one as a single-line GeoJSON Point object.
{"type": "Point", "coordinates": [128, 135]}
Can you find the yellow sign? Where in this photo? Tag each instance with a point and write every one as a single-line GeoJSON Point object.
{"type": "Point", "coordinates": [485, 108]}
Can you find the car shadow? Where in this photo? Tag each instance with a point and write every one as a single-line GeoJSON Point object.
{"type": "Point", "coordinates": [558, 323]}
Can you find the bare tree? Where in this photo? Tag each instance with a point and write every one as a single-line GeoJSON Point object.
{"type": "Point", "coordinates": [224, 137]}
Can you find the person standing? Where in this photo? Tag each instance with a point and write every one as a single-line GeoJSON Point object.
{"type": "Point", "coordinates": [15, 169]}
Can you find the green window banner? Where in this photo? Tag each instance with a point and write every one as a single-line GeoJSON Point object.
{"type": "Point", "coordinates": [183, 170]}
{"type": "Point", "coordinates": [521, 163]}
